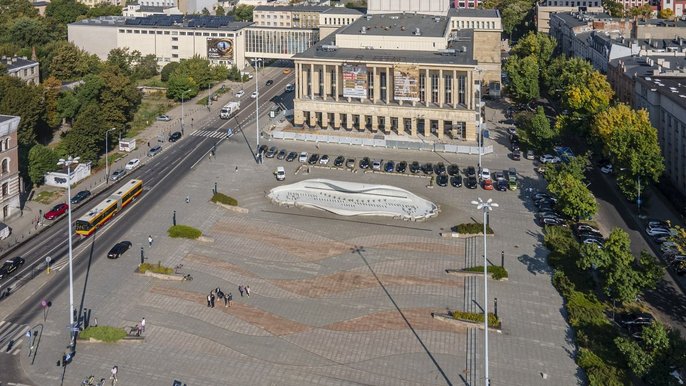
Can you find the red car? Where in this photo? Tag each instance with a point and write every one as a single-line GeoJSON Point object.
{"type": "Point", "coordinates": [488, 184]}
{"type": "Point", "coordinates": [56, 211]}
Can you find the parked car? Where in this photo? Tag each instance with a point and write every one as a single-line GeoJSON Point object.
{"type": "Point", "coordinates": [376, 164]}
{"type": "Point", "coordinates": [530, 154]}
{"type": "Point", "coordinates": [511, 130]}
{"type": "Point", "coordinates": [134, 163]}
{"type": "Point", "coordinates": [501, 185]}
{"type": "Point", "coordinates": [580, 227]}
{"type": "Point", "coordinates": [414, 167]}
{"type": "Point", "coordinates": [164, 118]}
{"type": "Point", "coordinates": [633, 319]}
{"type": "Point", "coordinates": [291, 156]}
{"type": "Point", "coordinates": [269, 82]}
{"type": "Point", "coordinates": [365, 162]}
{"type": "Point", "coordinates": [389, 167]}
{"type": "Point", "coordinates": [660, 232]}
{"type": "Point", "coordinates": [286, 71]}
{"type": "Point", "coordinates": [118, 249]}
{"type": "Point", "coordinates": [472, 183]}
{"type": "Point", "coordinates": [548, 158]}
{"type": "Point", "coordinates": [607, 169]}
{"type": "Point", "coordinates": [350, 163]}
{"type": "Point", "coordinates": [155, 150]}
{"type": "Point", "coordinates": [280, 173]}
{"type": "Point", "coordinates": [456, 181]}
{"type": "Point", "coordinates": [551, 221]}
{"type": "Point", "coordinates": [401, 167]}
{"type": "Point", "coordinates": [56, 211]}
{"type": "Point", "coordinates": [442, 180]}
{"type": "Point", "coordinates": [498, 176]}
{"type": "Point", "coordinates": [303, 157]}
{"type": "Point", "coordinates": [471, 171]}
{"type": "Point", "coordinates": [597, 242]}
{"type": "Point", "coordinates": [271, 153]}
{"type": "Point", "coordinates": [485, 174]}
{"type": "Point", "coordinates": [339, 161]}
{"type": "Point", "coordinates": [80, 196]}
{"type": "Point", "coordinates": [314, 158]}
{"type": "Point", "coordinates": [453, 169]}
{"type": "Point", "coordinates": [117, 174]}
{"type": "Point", "coordinates": [428, 168]}
{"type": "Point", "coordinates": [516, 155]}
{"type": "Point", "coordinates": [324, 160]}
{"type": "Point", "coordinates": [439, 168]}
{"type": "Point", "coordinates": [240, 93]}
{"type": "Point", "coordinates": [282, 154]}
{"type": "Point", "coordinates": [487, 184]}
{"type": "Point", "coordinates": [262, 149]}
{"type": "Point", "coordinates": [175, 136]}
{"type": "Point", "coordinates": [514, 146]}
{"type": "Point", "coordinates": [10, 266]}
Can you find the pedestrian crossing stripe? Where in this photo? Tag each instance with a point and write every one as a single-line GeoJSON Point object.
{"type": "Point", "coordinates": [208, 133]}
{"type": "Point", "coordinates": [11, 333]}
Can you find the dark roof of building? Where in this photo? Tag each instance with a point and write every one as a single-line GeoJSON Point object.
{"type": "Point", "coordinates": [398, 24]}
{"type": "Point", "coordinates": [458, 52]}
{"type": "Point", "coordinates": [645, 66]}
{"type": "Point", "coordinates": [292, 8]}
{"type": "Point", "coordinates": [14, 62]}
{"type": "Point", "coordinates": [473, 12]}
{"type": "Point", "coordinates": [673, 88]}
{"type": "Point", "coordinates": [663, 23]}
{"type": "Point", "coordinates": [225, 23]}
{"type": "Point", "coordinates": [577, 19]}
{"type": "Point", "coordinates": [343, 11]}
{"type": "Point", "coordinates": [5, 118]}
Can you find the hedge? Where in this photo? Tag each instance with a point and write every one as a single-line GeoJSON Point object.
{"type": "Point", "coordinates": [472, 228]}
{"type": "Point", "coordinates": [224, 199]}
{"type": "Point", "coordinates": [184, 231]}
{"type": "Point", "coordinates": [156, 268]}
{"type": "Point", "coordinates": [477, 317]}
{"type": "Point", "coordinates": [103, 333]}
{"type": "Point", "coordinates": [497, 272]}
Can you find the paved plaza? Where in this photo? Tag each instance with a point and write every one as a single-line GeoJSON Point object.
{"type": "Point", "coordinates": [334, 300]}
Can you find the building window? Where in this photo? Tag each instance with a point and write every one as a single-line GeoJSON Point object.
{"type": "Point", "coordinates": [448, 89]}
{"type": "Point", "coordinates": [166, 32]}
{"type": "Point", "coordinates": [175, 39]}
{"type": "Point", "coordinates": [422, 88]}
{"type": "Point", "coordinates": [5, 166]}
{"type": "Point", "coordinates": [7, 143]}
{"type": "Point", "coordinates": [461, 83]}
{"type": "Point", "coordinates": [5, 189]}
{"type": "Point", "coordinates": [382, 80]}
{"type": "Point", "coordinates": [370, 82]}
{"type": "Point", "coordinates": [136, 31]}
{"type": "Point", "coordinates": [175, 55]}
{"type": "Point", "coordinates": [175, 47]}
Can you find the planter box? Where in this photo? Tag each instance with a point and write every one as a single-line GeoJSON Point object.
{"type": "Point", "coordinates": [162, 276]}
{"type": "Point", "coordinates": [461, 322]}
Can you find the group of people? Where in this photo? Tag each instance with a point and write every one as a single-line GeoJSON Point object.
{"type": "Point", "coordinates": [217, 294]}
{"type": "Point", "coordinates": [140, 327]}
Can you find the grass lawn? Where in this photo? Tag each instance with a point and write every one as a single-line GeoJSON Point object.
{"type": "Point", "coordinates": [48, 196]}
{"type": "Point", "coordinates": [150, 108]}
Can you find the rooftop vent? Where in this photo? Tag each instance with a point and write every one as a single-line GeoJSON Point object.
{"type": "Point", "coordinates": [363, 30]}
{"type": "Point", "coordinates": [417, 32]}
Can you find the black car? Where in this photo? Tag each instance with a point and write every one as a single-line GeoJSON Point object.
{"type": "Point", "coordinates": [314, 158]}
{"type": "Point", "coordinates": [175, 136]}
{"type": "Point", "coordinates": [501, 185]}
{"type": "Point", "coordinates": [442, 180]}
{"type": "Point", "coordinates": [291, 156]}
{"type": "Point", "coordinates": [389, 167]}
{"type": "Point", "coordinates": [516, 155]}
{"type": "Point", "coordinates": [118, 249]}
{"type": "Point", "coordinates": [453, 169]}
{"type": "Point", "coordinates": [262, 149]}
{"type": "Point", "coordinates": [551, 221]}
{"type": "Point", "coordinates": [364, 163]}
{"type": "Point", "coordinates": [590, 235]}
{"type": "Point", "coordinates": [514, 146]}
{"type": "Point", "coordinates": [401, 167]}
{"type": "Point", "coordinates": [270, 82]}
{"type": "Point", "coordinates": [414, 167]}
{"type": "Point", "coordinates": [472, 183]}
{"type": "Point", "coordinates": [428, 168]}
{"type": "Point", "coordinates": [471, 171]}
{"type": "Point", "coordinates": [271, 153]}
{"type": "Point", "coordinates": [439, 168]}
{"type": "Point", "coordinates": [456, 181]}
{"type": "Point", "coordinates": [339, 161]}
{"type": "Point", "coordinates": [282, 154]}
{"type": "Point", "coordinates": [635, 319]}
{"type": "Point", "coordinates": [10, 266]}
{"type": "Point", "coordinates": [80, 196]}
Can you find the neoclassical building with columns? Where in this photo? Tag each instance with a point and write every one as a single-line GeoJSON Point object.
{"type": "Point", "coordinates": [404, 74]}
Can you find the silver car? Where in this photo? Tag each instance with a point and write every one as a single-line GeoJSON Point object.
{"type": "Point", "coordinates": [154, 151]}
{"type": "Point", "coordinates": [118, 174]}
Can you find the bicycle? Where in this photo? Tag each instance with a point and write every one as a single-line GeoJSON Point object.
{"type": "Point", "coordinates": [90, 381]}
{"type": "Point", "coordinates": [187, 277]}
{"type": "Point", "coordinates": [179, 266]}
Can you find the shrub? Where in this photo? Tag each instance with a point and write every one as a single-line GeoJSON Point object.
{"type": "Point", "coordinates": [156, 268]}
{"type": "Point", "coordinates": [497, 272]}
{"type": "Point", "coordinates": [104, 333]}
{"type": "Point", "coordinates": [600, 373]}
{"type": "Point", "coordinates": [585, 310]}
{"type": "Point", "coordinates": [184, 231]}
{"type": "Point", "coordinates": [472, 228]}
{"type": "Point", "coordinates": [224, 199]}
{"type": "Point", "coordinates": [477, 317]}
{"type": "Point", "coordinates": [562, 283]}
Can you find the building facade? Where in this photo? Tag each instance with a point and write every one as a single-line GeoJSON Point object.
{"type": "Point", "coordinates": [547, 7]}
{"type": "Point", "coordinates": [426, 7]}
{"type": "Point", "coordinates": [93, 3]}
{"type": "Point", "coordinates": [467, 3]}
{"type": "Point", "coordinates": [413, 76]}
{"type": "Point", "coordinates": [22, 68]}
{"type": "Point", "coordinates": [10, 184]}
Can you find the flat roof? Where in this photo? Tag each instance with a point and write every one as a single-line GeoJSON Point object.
{"type": "Point", "coordinates": [225, 23]}
{"type": "Point", "coordinates": [398, 24]}
{"type": "Point", "coordinates": [464, 39]}
{"type": "Point", "coordinates": [640, 66]}
{"type": "Point", "coordinates": [292, 8]}
{"type": "Point", "coordinates": [473, 12]}
{"type": "Point", "coordinates": [577, 19]}
{"type": "Point", "coordinates": [663, 23]}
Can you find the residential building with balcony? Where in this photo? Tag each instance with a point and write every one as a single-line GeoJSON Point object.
{"type": "Point", "coordinates": [10, 183]}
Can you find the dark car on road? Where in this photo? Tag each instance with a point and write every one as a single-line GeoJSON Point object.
{"type": "Point", "coordinates": [291, 156]}
{"type": "Point", "coordinates": [282, 154]}
{"type": "Point", "coordinates": [442, 180]}
{"type": "Point", "coordinates": [153, 151]}
{"type": "Point", "coordinates": [10, 266]}
{"type": "Point", "coordinates": [414, 167]}
{"type": "Point", "coordinates": [428, 168]}
{"type": "Point", "coordinates": [516, 155]}
{"type": "Point", "coordinates": [269, 82]}
{"type": "Point", "coordinates": [453, 169]}
{"type": "Point", "coordinates": [314, 158]}
{"type": "Point", "coordinates": [364, 163]}
{"type": "Point", "coordinates": [389, 167]}
{"type": "Point", "coordinates": [339, 161]}
{"type": "Point", "coordinates": [262, 149]}
{"type": "Point", "coordinates": [401, 167]}
{"type": "Point", "coordinates": [175, 136]}
{"type": "Point", "coordinates": [118, 174]}
{"type": "Point", "coordinates": [456, 181]}
{"type": "Point", "coordinates": [271, 153]}
{"type": "Point", "coordinates": [56, 211]}
{"type": "Point", "coordinates": [80, 196]}
{"type": "Point", "coordinates": [118, 249]}
{"type": "Point", "coordinates": [472, 183]}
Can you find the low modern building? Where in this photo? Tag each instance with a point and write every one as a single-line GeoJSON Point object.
{"type": "Point", "coordinates": [325, 19]}
{"type": "Point", "coordinates": [22, 68]}
{"type": "Point", "coordinates": [409, 74]}
{"type": "Point", "coordinates": [10, 183]}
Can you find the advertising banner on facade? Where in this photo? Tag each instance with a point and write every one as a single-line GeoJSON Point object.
{"type": "Point", "coordinates": [221, 48]}
{"type": "Point", "coordinates": [355, 81]}
{"type": "Point", "coordinates": [406, 82]}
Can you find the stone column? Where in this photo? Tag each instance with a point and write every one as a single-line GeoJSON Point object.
{"type": "Point", "coordinates": [427, 87]}
{"type": "Point", "coordinates": [440, 129]}
{"type": "Point", "coordinates": [325, 120]}
{"type": "Point", "coordinates": [298, 117]}
{"type": "Point", "coordinates": [327, 82]}
{"type": "Point", "coordinates": [427, 128]}
{"type": "Point", "coordinates": [312, 79]}
{"type": "Point", "coordinates": [313, 119]}
{"type": "Point", "coordinates": [336, 121]}
{"type": "Point", "coordinates": [375, 123]}
{"type": "Point", "coordinates": [470, 131]}
{"type": "Point", "coordinates": [388, 124]}
{"type": "Point", "coordinates": [349, 122]}
{"type": "Point", "coordinates": [454, 86]}
{"type": "Point", "coordinates": [413, 126]}
{"type": "Point", "coordinates": [469, 90]}
{"type": "Point", "coordinates": [337, 82]}
{"type": "Point", "coordinates": [297, 80]}
{"type": "Point", "coordinates": [441, 89]}
{"type": "Point", "coordinates": [377, 85]}
{"type": "Point", "coordinates": [304, 79]}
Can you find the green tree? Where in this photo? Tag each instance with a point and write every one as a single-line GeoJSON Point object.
{"type": "Point", "coordinates": [614, 8]}
{"type": "Point", "coordinates": [25, 101]}
{"type": "Point", "coordinates": [637, 359]}
{"type": "Point", "coordinates": [178, 85]}
{"type": "Point", "coordinates": [205, 12]}
{"type": "Point", "coordinates": [552, 76]}
{"type": "Point", "coordinates": [167, 70]}
{"type": "Point", "coordinates": [539, 45]}
{"type": "Point", "coordinates": [68, 106]}
{"type": "Point", "coordinates": [243, 12]}
{"type": "Point", "coordinates": [14, 9]}
{"type": "Point", "coordinates": [575, 166]}
{"type": "Point", "coordinates": [28, 32]}
{"type": "Point", "coordinates": [631, 142]}
{"type": "Point", "coordinates": [666, 13]}
{"type": "Point", "coordinates": [121, 58]}
{"type": "Point", "coordinates": [196, 68]}
{"type": "Point", "coordinates": [51, 91]}
{"type": "Point", "coordinates": [146, 67]}
{"type": "Point", "coordinates": [590, 95]}
{"type": "Point", "coordinates": [220, 11]}
{"type": "Point", "coordinates": [119, 98]}
{"type": "Point", "coordinates": [574, 198]}
{"type": "Point", "coordinates": [104, 9]}
{"type": "Point", "coordinates": [42, 159]}
{"type": "Point", "coordinates": [65, 11]}
{"type": "Point", "coordinates": [514, 14]}
{"type": "Point", "coordinates": [523, 73]}
{"type": "Point", "coordinates": [67, 62]}
{"type": "Point", "coordinates": [541, 134]}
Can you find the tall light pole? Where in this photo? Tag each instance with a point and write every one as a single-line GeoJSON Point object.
{"type": "Point", "coordinates": [107, 149]}
{"type": "Point", "coordinates": [182, 94]}
{"type": "Point", "coordinates": [257, 108]}
{"type": "Point", "coordinates": [478, 116]}
{"type": "Point", "coordinates": [68, 162]}
{"type": "Point", "coordinates": [486, 207]}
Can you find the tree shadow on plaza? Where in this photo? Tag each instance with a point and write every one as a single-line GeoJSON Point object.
{"type": "Point", "coordinates": [359, 250]}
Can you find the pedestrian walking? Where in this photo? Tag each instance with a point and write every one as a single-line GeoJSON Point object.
{"type": "Point", "coordinates": [247, 290]}
{"type": "Point", "coordinates": [212, 297]}
{"type": "Point", "coordinates": [114, 371]}
{"type": "Point", "coordinates": [236, 170]}
{"type": "Point", "coordinates": [150, 240]}
{"type": "Point", "coordinates": [240, 289]}
{"type": "Point", "coordinates": [229, 299]}
{"type": "Point", "coordinates": [188, 199]}
{"type": "Point", "coordinates": [143, 325]}
{"type": "Point", "coordinates": [209, 301]}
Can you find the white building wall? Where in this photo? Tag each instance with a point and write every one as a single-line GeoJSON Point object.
{"type": "Point", "coordinates": [430, 7]}
{"type": "Point", "coordinates": [94, 39]}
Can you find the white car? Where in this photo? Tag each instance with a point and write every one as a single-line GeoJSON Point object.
{"type": "Point", "coordinates": [134, 163]}
{"type": "Point", "coordinates": [303, 157]}
{"type": "Point", "coordinates": [240, 93]}
{"type": "Point", "coordinates": [254, 95]}
{"type": "Point", "coordinates": [549, 158]}
{"type": "Point", "coordinates": [485, 174]}
{"type": "Point", "coordinates": [280, 173]}
{"type": "Point", "coordinates": [324, 160]}
{"type": "Point", "coordinates": [376, 164]}
{"type": "Point", "coordinates": [607, 169]}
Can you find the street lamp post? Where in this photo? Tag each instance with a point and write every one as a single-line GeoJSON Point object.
{"type": "Point", "coordinates": [478, 114]}
{"type": "Point", "coordinates": [486, 207]}
{"type": "Point", "coordinates": [68, 162]}
{"type": "Point", "coordinates": [182, 94]}
{"type": "Point", "coordinates": [107, 149]}
{"type": "Point", "coordinates": [257, 108]}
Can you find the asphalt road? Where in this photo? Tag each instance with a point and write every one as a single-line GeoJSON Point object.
{"type": "Point", "coordinates": [159, 174]}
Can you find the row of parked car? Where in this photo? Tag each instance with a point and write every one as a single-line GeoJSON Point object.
{"type": "Point", "coordinates": [548, 215]}
{"type": "Point", "coordinates": [662, 233]}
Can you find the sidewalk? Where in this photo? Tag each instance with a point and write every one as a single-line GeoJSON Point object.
{"type": "Point", "coordinates": [30, 221]}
